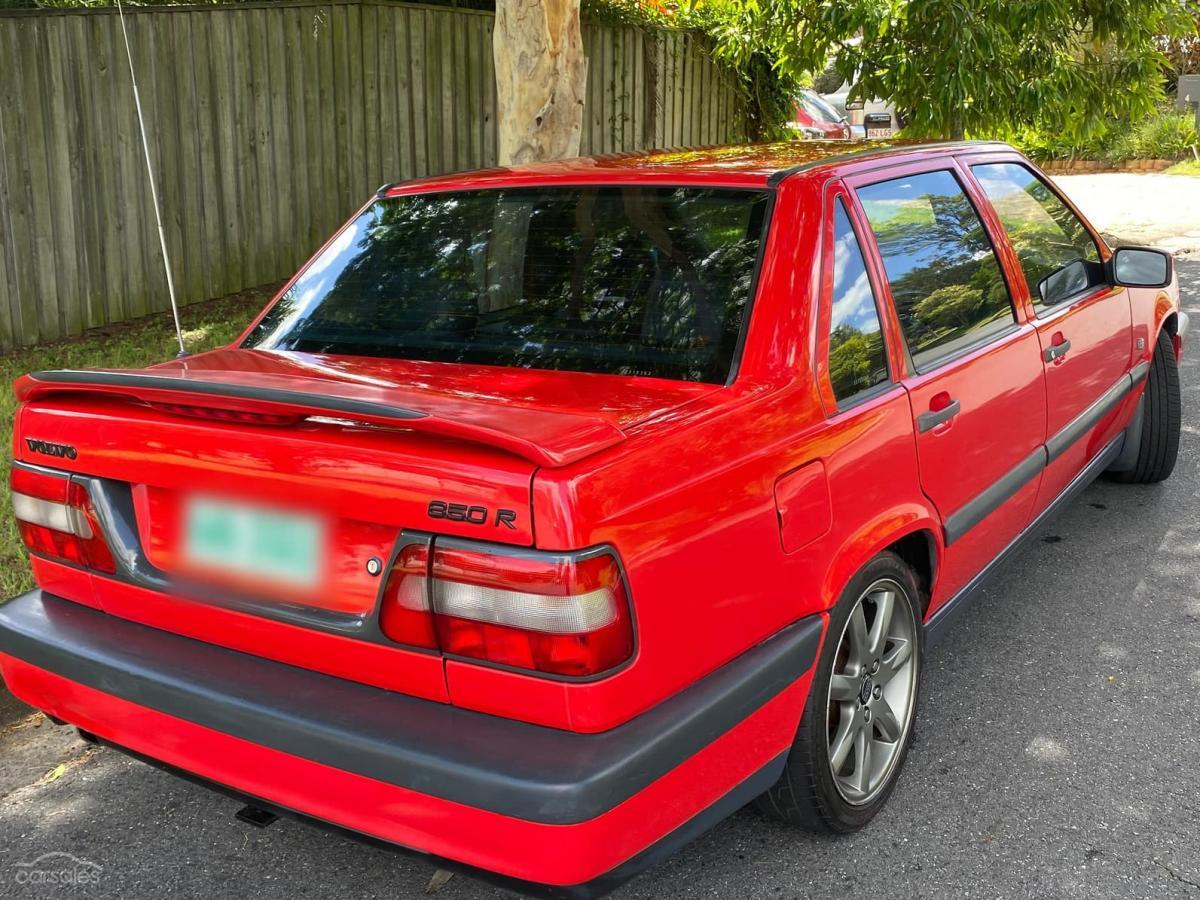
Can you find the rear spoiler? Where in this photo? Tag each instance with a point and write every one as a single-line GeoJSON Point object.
{"type": "Point", "coordinates": [545, 437]}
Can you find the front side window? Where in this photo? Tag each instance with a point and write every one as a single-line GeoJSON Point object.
{"type": "Point", "coordinates": [620, 280]}
{"type": "Point", "coordinates": [856, 352]}
{"type": "Point", "coordinates": [1056, 251]}
{"type": "Point", "coordinates": [946, 281]}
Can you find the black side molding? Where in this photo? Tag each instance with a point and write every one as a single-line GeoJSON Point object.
{"type": "Point", "coordinates": [512, 768]}
{"type": "Point", "coordinates": [134, 380]}
{"type": "Point", "coordinates": [1139, 372]}
{"type": "Point", "coordinates": [939, 623]}
{"type": "Point", "coordinates": [983, 504]}
{"type": "Point", "coordinates": [1061, 440]}
{"type": "Point", "coordinates": [976, 510]}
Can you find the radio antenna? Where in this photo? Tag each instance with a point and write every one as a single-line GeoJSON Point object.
{"type": "Point", "coordinates": [162, 237]}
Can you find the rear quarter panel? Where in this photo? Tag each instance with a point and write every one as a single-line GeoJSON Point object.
{"type": "Point", "coordinates": [689, 503]}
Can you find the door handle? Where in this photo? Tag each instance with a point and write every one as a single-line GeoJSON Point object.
{"type": "Point", "coordinates": [1058, 348]}
{"type": "Point", "coordinates": [927, 421]}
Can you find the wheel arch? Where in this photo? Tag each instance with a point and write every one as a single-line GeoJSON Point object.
{"type": "Point", "coordinates": [913, 533]}
{"type": "Point", "coordinates": [919, 550]}
{"type": "Point", "coordinates": [1166, 318]}
{"type": "Point", "coordinates": [1171, 323]}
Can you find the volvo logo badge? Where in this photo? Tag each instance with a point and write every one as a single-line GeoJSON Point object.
{"type": "Point", "coordinates": [864, 693]}
{"type": "Point", "coordinates": [46, 448]}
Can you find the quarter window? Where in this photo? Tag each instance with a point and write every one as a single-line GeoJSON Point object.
{"type": "Point", "coordinates": [856, 354]}
{"type": "Point", "coordinates": [1056, 251]}
{"type": "Point", "coordinates": [946, 282]}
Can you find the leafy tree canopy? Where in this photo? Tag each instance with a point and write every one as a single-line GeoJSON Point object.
{"type": "Point", "coordinates": [974, 67]}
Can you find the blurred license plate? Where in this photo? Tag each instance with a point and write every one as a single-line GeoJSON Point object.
{"type": "Point", "coordinates": [879, 133]}
{"type": "Point", "coordinates": [253, 541]}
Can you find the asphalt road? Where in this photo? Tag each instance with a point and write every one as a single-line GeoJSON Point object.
{"type": "Point", "coordinates": [1057, 754]}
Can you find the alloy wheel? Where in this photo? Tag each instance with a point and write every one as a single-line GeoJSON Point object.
{"type": "Point", "coordinates": [872, 691]}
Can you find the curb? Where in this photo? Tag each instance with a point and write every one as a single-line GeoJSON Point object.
{"type": "Point", "coordinates": [1082, 166]}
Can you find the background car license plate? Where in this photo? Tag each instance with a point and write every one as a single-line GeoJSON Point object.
{"type": "Point", "coordinates": [879, 132]}
{"type": "Point", "coordinates": [253, 541]}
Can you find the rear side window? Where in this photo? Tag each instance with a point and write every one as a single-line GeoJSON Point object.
{"type": "Point", "coordinates": [856, 353]}
{"type": "Point", "coordinates": [946, 282]}
{"type": "Point", "coordinates": [1057, 253]}
{"type": "Point", "coordinates": [620, 280]}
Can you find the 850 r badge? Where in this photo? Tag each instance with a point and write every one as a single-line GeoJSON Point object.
{"type": "Point", "coordinates": [472, 515]}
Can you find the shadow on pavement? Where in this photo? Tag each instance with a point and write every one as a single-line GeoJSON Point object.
{"type": "Point", "coordinates": [11, 709]}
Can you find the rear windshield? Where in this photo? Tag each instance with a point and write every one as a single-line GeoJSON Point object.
{"type": "Point", "coordinates": [620, 280]}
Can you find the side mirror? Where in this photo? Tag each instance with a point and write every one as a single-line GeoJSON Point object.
{"type": "Point", "coordinates": [1141, 267]}
{"type": "Point", "coordinates": [1065, 282]}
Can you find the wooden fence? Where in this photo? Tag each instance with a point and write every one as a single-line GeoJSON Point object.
{"type": "Point", "coordinates": [269, 124]}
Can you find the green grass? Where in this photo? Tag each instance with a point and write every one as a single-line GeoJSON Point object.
{"type": "Point", "coordinates": [1188, 167]}
{"type": "Point", "coordinates": [128, 345]}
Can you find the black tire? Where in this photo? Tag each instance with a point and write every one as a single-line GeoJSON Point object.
{"type": "Point", "coordinates": [806, 795]}
{"type": "Point", "coordinates": [1161, 417]}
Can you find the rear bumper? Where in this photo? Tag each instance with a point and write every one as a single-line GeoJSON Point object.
{"type": "Point", "coordinates": [557, 812]}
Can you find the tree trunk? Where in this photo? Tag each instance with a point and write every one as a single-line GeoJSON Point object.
{"type": "Point", "coordinates": [541, 74]}
{"type": "Point", "coordinates": [956, 125]}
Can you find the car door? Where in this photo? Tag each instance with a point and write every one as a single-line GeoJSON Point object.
{"type": "Point", "coordinates": [973, 366]}
{"type": "Point", "coordinates": [1083, 322]}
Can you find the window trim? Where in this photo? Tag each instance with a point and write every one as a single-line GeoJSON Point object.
{"type": "Point", "coordinates": [765, 237]}
{"type": "Point", "coordinates": [835, 193]}
{"type": "Point", "coordinates": [1036, 304]}
{"type": "Point", "coordinates": [968, 186]}
{"type": "Point", "coordinates": [866, 394]}
{"type": "Point", "coordinates": [994, 337]}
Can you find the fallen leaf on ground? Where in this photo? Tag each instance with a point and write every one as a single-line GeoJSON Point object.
{"type": "Point", "coordinates": [438, 881]}
{"type": "Point", "coordinates": [61, 769]}
{"type": "Point", "coordinates": [53, 775]}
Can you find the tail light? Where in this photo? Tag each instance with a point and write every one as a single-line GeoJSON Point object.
{"type": "Point", "coordinates": [405, 616]}
{"type": "Point", "coordinates": [556, 613]}
{"type": "Point", "coordinates": [227, 415]}
{"type": "Point", "coordinates": [56, 519]}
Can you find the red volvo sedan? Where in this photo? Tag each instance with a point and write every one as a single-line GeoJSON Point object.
{"type": "Point", "coordinates": [815, 118]}
{"type": "Point", "coordinates": [549, 515]}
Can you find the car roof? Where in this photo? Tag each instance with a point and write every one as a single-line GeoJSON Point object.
{"type": "Point", "coordinates": [749, 165]}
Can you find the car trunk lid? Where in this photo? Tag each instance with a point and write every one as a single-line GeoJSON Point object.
{"type": "Point", "coordinates": [340, 456]}
{"type": "Point", "coordinates": [280, 393]}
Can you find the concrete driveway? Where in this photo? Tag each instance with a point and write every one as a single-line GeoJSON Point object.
{"type": "Point", "coordinates": [1056, 752]}
{"type": "Point", "coordinates": [1161, 210]}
